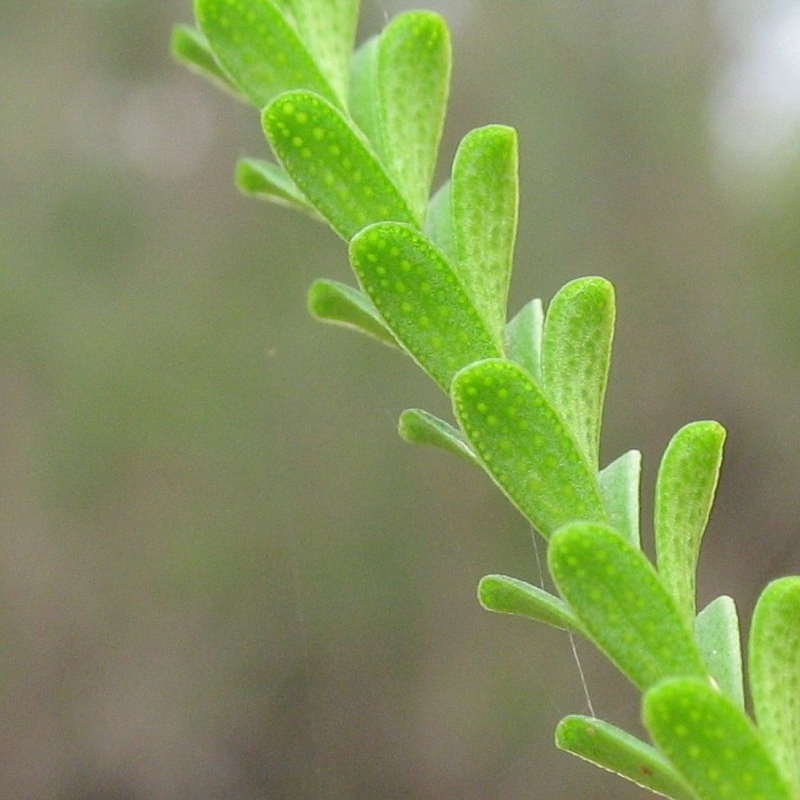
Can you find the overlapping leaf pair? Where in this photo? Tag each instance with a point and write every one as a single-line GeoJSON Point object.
{"type": "Point", "coordinates": [355, 138]}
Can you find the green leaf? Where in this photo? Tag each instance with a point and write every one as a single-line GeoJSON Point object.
{"type": "Point", "coordinates": [512, 596]}
{"type": "Point", "coordinates": [617, 595]}
{"type": "Point", "coordinates": [524, 445]}
{"type": "Point", "coordinates": [336, 302]}
{"type": "Point", "coordinates": [619, 486]}
{"type": "Point", "coordinates": [439, 222]}
{"type": "Point", "coordinates": [191, 49]}
{"type": "Point", "coordinates": [413, 78]}
{"type": "Point", "coordinates": [485, 196]}
{"type": "Point", "coordinates": [331, 163]}
{"type": "Point", "coordinates": [774, 663]}
{"type": "Point", "coordinates": [616, 750]}
{"type": "Point", "coordinates": [420, 427]}
{"type": "Point", "coordinates": [364, 104]}
{"type": "Point", "coordinates": [420, 298]}
{"type": "Point", "coordinates": [259, 49]}
{"type": "Point", "coordinates": [716, 631]}
{"type": "Point", "coordinates": [576, 353]}
{"type": "Point", "coordinates": [328, 27]}
{"type": "Point", "coordinates": [258, 178]}
{"type": "Point", "coordinates": [524, 338]}
{"type": "Point", "coordinates": [711, 742]}
{"type": "Point", "coordinates": [687, 480]}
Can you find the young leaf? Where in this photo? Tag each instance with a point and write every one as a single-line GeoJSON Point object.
{"type": "Point", "coordinates": [619, 486]}
{"type": "Point", "coordinates": [420, 427]}
{"type": "Point", "coordinates": [685, 486]}
{"type": "Point", "coordinates": [617, 595]}
{"type": "Point", "coordinates": [716, 631]}
{"type": "Point", "coordinates": [328, 27]}
{"type": "Point", "coordinates": [259, 49]}
{"type": "Point", "coordinates": [512, 596]}
{"type": "Point", "coordinates": [616, 750]}
{"type": "Point", "coordinates": [576, 352]}
{"type": "Point", "coordinates": [364, 104]}
{"type": "Point", "coordinates": [485, 192]}
{"type": "Point", "coordinates": [711, 742]}
{"type": "Point", "coordinates": [524, 338]}
{"type": "Point", "coordinates": [332, 301]}
{"type": "Point", "coordinates": [524, 445]}
{"type": "Point", "coordinates": [439, 222]}
{"type": "Point", "coordinates": [419, 296]}
{"type": "Point", "coordinates": [258, 178]}
{"type": "Point", "coordinates": [774, 662]}
{"type": "Point", "coordinates": [413, 78]}
{"type": "Point", "coordinates": [191, 49]}
{"type": "Point", "coordinates": [330, 163]}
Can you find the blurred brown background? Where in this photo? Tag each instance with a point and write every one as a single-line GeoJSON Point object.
{"type": "Point", "coordinates": [222, 575]}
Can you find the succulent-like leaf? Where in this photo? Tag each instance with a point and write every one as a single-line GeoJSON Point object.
{"type": "Point", "coordinates": [512, 596]}
{"type": "Point", "coordinates": [259, 49]}
{"type": "Point", "coordinates": [618, 751]}
{"type": "Point", "coordinates": [439, 222]}
{"type": "Point", "coordinates": [716, 631]}
{"type": "Point", "coordinates": [328, 27]}
{"type": "Point", "coordinates": [420, 298]}
{"type": "Point", "coordinates": [258, 178]}
{"type": "Point", "coordinates": [336, 302]}
{"type": "Point", "coordinates": [421, 427]}
{"type": "Point", "coordinates": [619, 485]}
{"type": "Point", "coordinates": [364, 103]}
{"type": "Point", "coordinates": [687, 480]}
{"type": "Point", "coordinates": [413, 79]}
{"type": "Point", "coordinates": [576, 353]}
{"type": "Point", "coordinates": [485, 194]}
{"type": "Point", "coordinates": [774, 662]}
{"type": "Point", "coordinates": [524, 445]}
{"type": "Point", "coordinates": [616, 594]}
{"type": "Point", "coordinates": [191, 49]}
{"type": "Point", "coordinates": [711, 742]}
{"type": "Point", "coordinates": [524, 338]}
{"type": "Point", "coordinates": [329, 161]}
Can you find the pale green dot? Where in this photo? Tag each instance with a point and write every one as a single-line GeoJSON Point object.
{"type": "Point", "coordinates": [318, 134]}
{"type": "Point", "coordinates": [378, 270]}
{"type": "Point", "coordinates": [334, 150]}
{"type": "Point", "coordinates": [301, 117]}
{"type": "Point", "coordinates": [481, 407]}
{"type": "Point", "coordinates": [385, 283]}
{"type": "Point", "coordinates": [328, 178]}
{"type": "Point", "coordinates": [400, 287]}
{"type": "Point", "coordinates": [405, 265]}
{"type": "Point", "coordinates": [305, 152]}
{"type": "Point", "coordinates": [406, 307]}
{"type": "Point", "coordinates": [491, 420]}
{"type": "Point", "coordinates": [297, 141]}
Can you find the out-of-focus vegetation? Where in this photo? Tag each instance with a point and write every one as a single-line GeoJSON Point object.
{"type": "Point", "coordinates": [222, 575]}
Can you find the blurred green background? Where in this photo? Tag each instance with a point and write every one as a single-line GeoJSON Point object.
{"type": "Point", "coordinates": [222, 575]}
